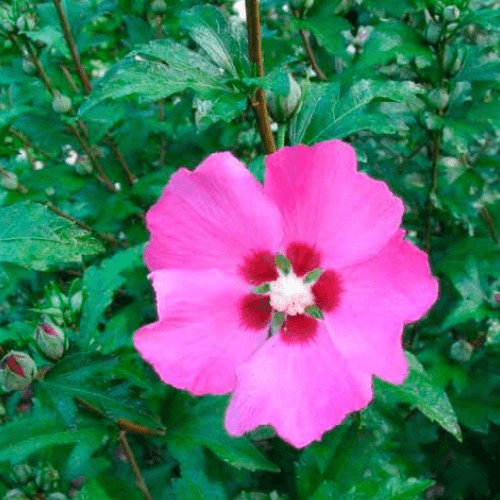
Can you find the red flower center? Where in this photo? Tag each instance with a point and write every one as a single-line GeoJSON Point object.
{"type": "Point", "coordinates": [260, 267]}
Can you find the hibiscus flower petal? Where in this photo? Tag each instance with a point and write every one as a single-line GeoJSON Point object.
{"type": "Point", "coordinates": [200, 337]}
{"type": "Point", "coordinates": [300, 389]}
{"type": "Point", "coordinates": [327, 204]}
{"type": "Point", "coordinates": [214, 216]}
{"type": "Point", "coordinates": [378, 297]}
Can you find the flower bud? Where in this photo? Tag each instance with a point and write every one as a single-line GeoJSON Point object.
{"type": "Point", "coordinates": [61, 104]}
{"type": "Point", "coordinates": [47, 478]}
{"type": "Point", "coordinates": [461, 351]}
{"type": "Point", "coordinates": [439, 98]}
{"type": "Point", "coordinates": [159, 7]}
{"type": "Point", "coordinates": [8, 180]}
{"type": "Point", "coordinates": [7, 26]}
{"type": "Point", "coordinates": [283, 107]}
{"type": "Point", "coordinates": [303, 5]}
{"type": "Point", "coordinates": [57, 496]}
{"type": "Point", "coordinates": [28, 67]}
{"type": "Point", "coordinates": [21, 23]}
{"type": "Point", "coordinates": [83, 166]}
{"type": "Point", "coordinates": [50, 339]}
{"type": "Point", "coordinates": [22, 473]}
{"type": "Point", "coordinates": [433, 32]}
{"type": "Point", "coordinates": [451, 13]}
{"type": "Point", "coordinates": [15, 494]}
{"type": "Point", "coordinates": [17, 371]}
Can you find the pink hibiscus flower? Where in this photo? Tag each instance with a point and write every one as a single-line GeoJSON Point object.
{"type": "Point", "coordinates": [316, 252]}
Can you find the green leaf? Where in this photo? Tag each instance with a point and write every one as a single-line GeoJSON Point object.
{"type": "Point", "coordinates": [224, 41]}
{"type": "Point", "coordinates": [391, 39]}
{"type": "Point", "coordinates": [395, 488]}
{"type": "Point", "coordinates": [328, 113]}
{"type": "Point", "coordinates": [85, 377]}
{"type": "Point", "coordinates": [420, 391]}
{"type": "Point", "coordinates": [152, 80]}
{"type": "Point", "coordinates": [472, 305]}
{"type": "Point", "coordinates": [45, 431]}
{"type": "Point", "coordinates": [105, 487]}
{"type": "Point", "coordinates": [327, 29]}
{"type": "Point", "coordinates": [100, 283]}
{"type": "Point", "coordinates": [34, 237]}
{"type": "Point", "coordinates": [203, 426]}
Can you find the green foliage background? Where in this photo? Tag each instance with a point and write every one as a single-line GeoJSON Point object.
{"type": "Point", "coordinates": [414, 85]}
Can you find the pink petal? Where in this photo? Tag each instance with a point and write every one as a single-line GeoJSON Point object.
{"type": "Point", "coordinates": [300, 389]}
{"type": "Point", "coordinates": [378, 297]}
{"type": "Point", "coordinates": [199, 339]}
{"type": "Point", "coordinates": [212, 217]}
{"type": "Point", "coordinates": [325, 203]}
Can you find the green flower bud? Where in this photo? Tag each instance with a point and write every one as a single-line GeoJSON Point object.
{"type": "Point", "coordinates": [433, 32]}
{"type": "Point", "coordinates": [461, 351]}
{"type": "Point", "coordinates": [47, 478]}
{"type": "Point", "coordinates": [8, 180]}
{"type": "Point", "coordinates": [303, 5]}
{"type": "Point", "coordinates": [50, 339]}
{"type": "Point", "coordinates": [61, 104]}
{"type": "Point", "coordinates": [439, 98]}
{"type": "Point", "coordinates": [22, 472]}
{"type": "Point", "coordinates": [83, 166]}
{"type": "Point", "coordinates": [451, 13]}
{"type": "Point", "coordinates": [28, 67]}
{"type": "Point", "coordinates": [7, 26]}
{"type": "Point", "coordinates": [159, 7]}
{"type": "Point", "coordinates": [283, 107]}
{"type": "Point", "coordinates": [21, 23]}
{"type": "Point", "coordinates": [57, 496]}
{"type": "Point", "coordinates": [17, 371]}
{"type": "Point", "coordinates": [15, 494]}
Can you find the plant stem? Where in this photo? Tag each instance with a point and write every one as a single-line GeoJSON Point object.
{"type": "Point", "coordinates": [281, 135]}
{"type": "Point", "coordinates": [434, 153]}
{"type": "Point", "coordinates": [93, 159]}
{"type": "Point", "coordinates": [255, 51]}
{"type": "Point", "coordinates": [36, 62]}
{"type": "Point", "coordinates": [73, 128]}
{"type": "Point", "coordinates": [70, 79]}
{"type": "Point", "coordinates": [83, 225]}
{"type": "Point", "coordinates": [87, 86]}
{"type": "Point", "coordinates": [139, 479]}
{"type": "Point", "coordinates": [310, 54]}
{"type": "Point", "coordinates": [130, 177]}
{"type": "Point", "coordinates": [27, 144]}
{"type": "Point", "coordinates": [68, 36]}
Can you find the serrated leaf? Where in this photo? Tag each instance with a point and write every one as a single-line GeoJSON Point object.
{"type": "Point", "coordinates": [203, 426]}
{"type": "Point", "coordinates": [85, 378]}
{"type": "Point", "coordinates": [328, 113]}
{"type": "Point", "coordinates": [34, 237]}
{"type": "Point", "coordinates": [221, 39]}
{"type": "Point", "coordinates": [394, 488]}
{"type": "Point", "coordinates": [16, 444]}
{"type": "Point", "coordinates": [419, 391]}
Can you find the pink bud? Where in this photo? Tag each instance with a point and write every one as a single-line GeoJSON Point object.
{"type": "Point", "coordinates": [50, 339]}
{"type": "Point", "coordinates": [17, 371]}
